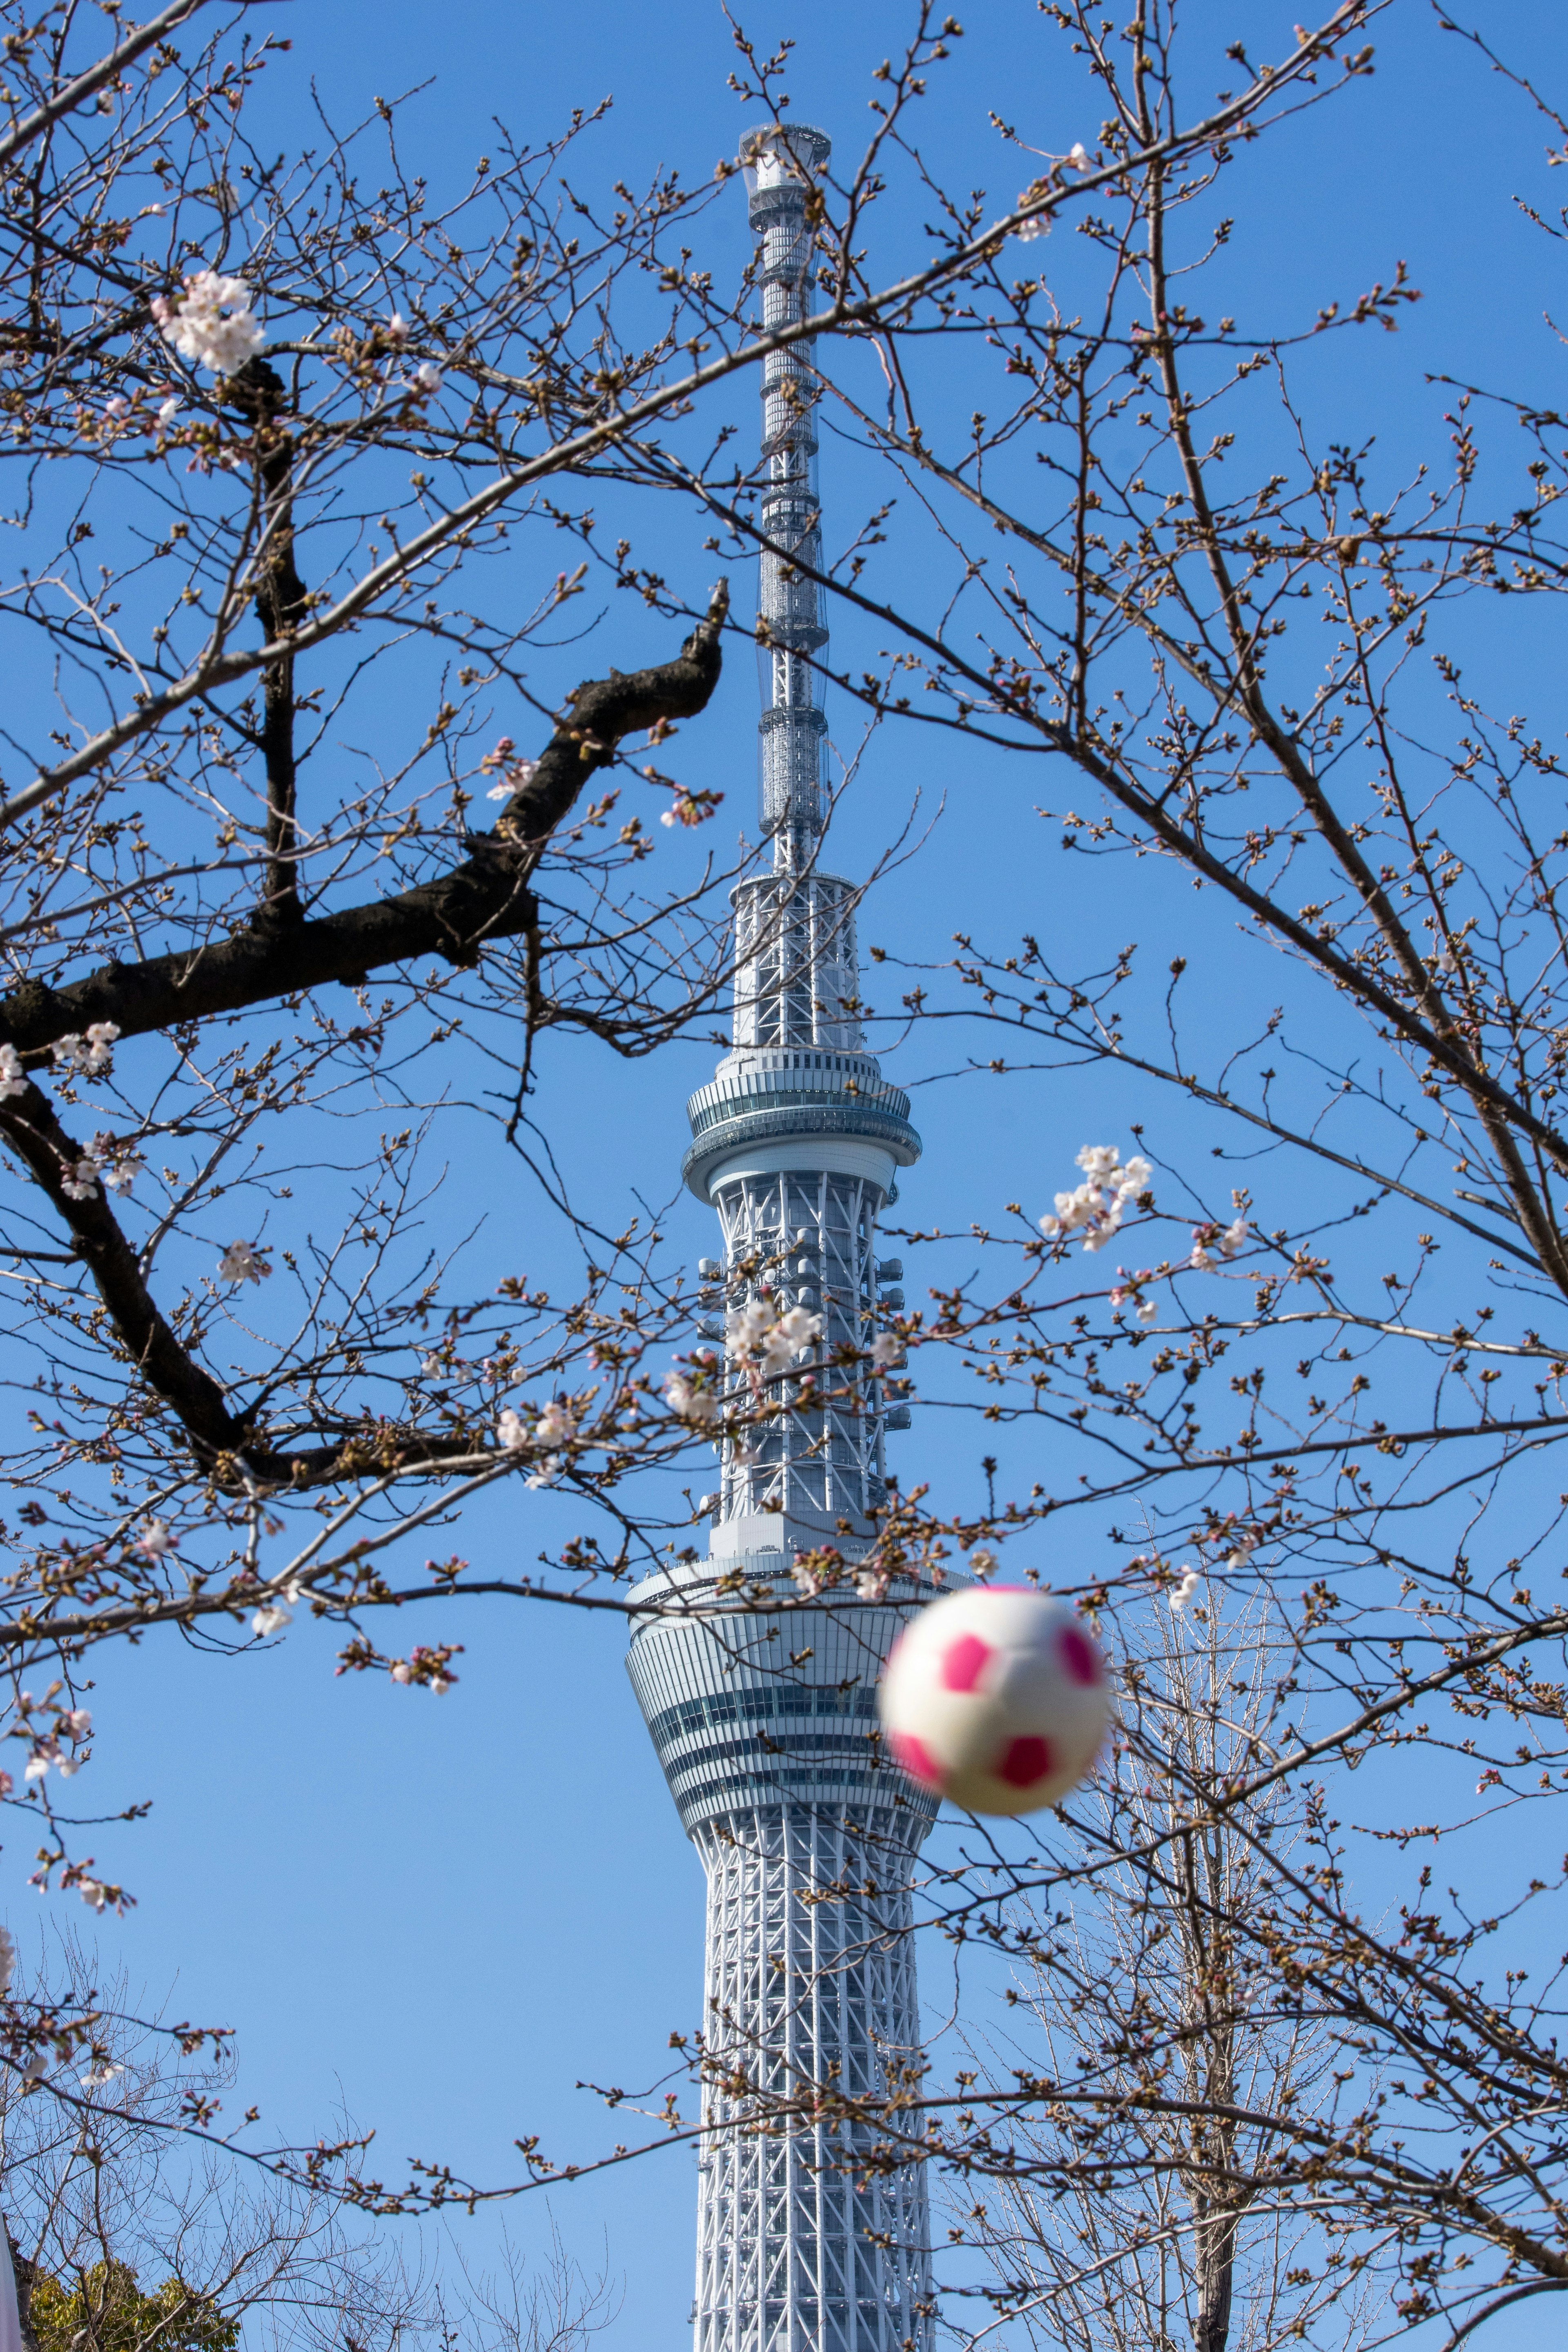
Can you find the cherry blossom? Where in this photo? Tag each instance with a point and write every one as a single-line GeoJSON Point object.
{"type": "Point", "coordinates": [271, 1617]}
{"type": "Point", "coordinates": [1077, 157]}
{"type": "Point", "coordinates": [683, 1396]}
{"type": "Point", "coordinates": [982, 1562]}
{"type": "Point", "coordinates": [427, 377]}
{"type": "Point", "coordinates": [396, 330]}
{"type": "Point", "coordinates": [1191, 1581]}
{"type": "Point", "coordinates": [871, 1584]}
{"type": "Point", "coordinates": [211, 323]}
{"type": "Point", "coordinates": [80, 1182]}
{"type": "Point", "coordinates": [13, 1078]}
{"type": "Point", "coordinates": [155, 1540]}
{"type": "Point", "coordinates": [546, 1475]}
{"type": "Point", "coordinates": [93, 1893]}
{"type": "Point", "coordinates": [169, 409]}
{"type": "Point", "coordinates": [91, 1056]}
{"type": "Point", "coordinates": [555, 1423]}
{"type": "Point", "coordinates": [1026, 231]}
{"type": "Point", "coordinates": [241, 1263]}
{"type": "Point", "coordinates": [886, 1351]}
{"type": "Point", "coordinates": [76, 1723]}
{"type": "Point", "coordinates": [118, 1163]}
{"type": "Point", "coordinates": [1096, 1207]}
{"type": "Point", "coordinates": [511, 1434]}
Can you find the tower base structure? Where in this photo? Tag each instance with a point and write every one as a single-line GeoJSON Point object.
{"type": "Point", "coordinates": [812, 2236]}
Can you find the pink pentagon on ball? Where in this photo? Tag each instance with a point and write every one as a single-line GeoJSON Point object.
{"type": "Point", "coordinates": [1024, 1762]}
{"type": "Point", "coordinates": [963, 1662]}
{"type": "Point", "coordinates": [1078, 1654]}
{"type": "Point", "coordinates": [916, 1758]}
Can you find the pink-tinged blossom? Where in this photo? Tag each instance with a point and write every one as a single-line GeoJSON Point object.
{"type": "Point", "coordinates": [807, 1578]}
{"type": "Point", "coordinates": [155, 1540]}
{"type": "Point", "coordinates": [396, 330]}
{"type": "Point", "coordinates": [80, 1182]}
{"type": "Point", "coordinates": [241, 1263]}
{"type": "Point", "coordinates": [76, 1723]}
{"type": "Point", "coordinates": [511, 1434]}
{"type": "Point", "coordinates": [211, 323]}
{"type": "Point", "coordinates": [93, 1893]}
{"type": "Point", "coordinates": [118, 1163]}
{"type": "Point", "coordinates": [871, 1584]}
{"type": "Point", "coordinates": [982, 1562]}
{"type": "Point", "coordinates": [426, 377]}
{"type": "Point", "coordinates": [1077, 157]}
{"type": "Point", "coordinates": [13, 1078]}
{"type": "Point", "coordinates": [169, 409]}
{"type": "Point", "coordinates": [118, 406]}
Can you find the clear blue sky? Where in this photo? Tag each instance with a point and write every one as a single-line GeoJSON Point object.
{"type": "Point", "coordinates": [440, 1913]}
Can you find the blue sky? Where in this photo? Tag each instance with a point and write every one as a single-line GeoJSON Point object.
{"type": "Point", "coordinates": [438, 1915]}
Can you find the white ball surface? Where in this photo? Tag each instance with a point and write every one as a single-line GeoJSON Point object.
{"type": "Point", "coordinates": [996, 1698]}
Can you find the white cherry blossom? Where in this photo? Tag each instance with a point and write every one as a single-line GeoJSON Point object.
{"type": "Point", "coordinates": [1191, 1581]}
{"type": "Point", "coordinates": [692, 1404]}
{"type": "Point", "coordinates": [155, 1540]}
{"type": "Point", "coordinates": [511, 1434]}
{"type": "Point", "coordinates": [271, 1617]}
{"type": "Point", "coordinates": [555, 1423]}
{"type": "Point", "coordinates": [211, 323]}
{"type": "Point", "coordinates": [1096, 1207]}
{"type": "Point", "coordinates": [886, 1351]}
{"type": "Point", "coordinates": [13, 1078]}
{"type": "Point", "coordinates": [80, 1182]}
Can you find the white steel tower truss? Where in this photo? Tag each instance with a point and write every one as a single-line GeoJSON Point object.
{"type": "Point", "coordinates": [810, 2238]}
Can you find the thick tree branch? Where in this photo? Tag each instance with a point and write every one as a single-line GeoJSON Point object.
{"type": "Point", "coordinates": [456, 916]}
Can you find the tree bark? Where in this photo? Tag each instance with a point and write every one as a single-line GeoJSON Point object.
{"type": "Point", "coordinates": [485, 898]}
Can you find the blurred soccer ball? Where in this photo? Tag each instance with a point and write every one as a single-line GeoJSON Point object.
{"type": "Point", "coordinates": [996, 1698]}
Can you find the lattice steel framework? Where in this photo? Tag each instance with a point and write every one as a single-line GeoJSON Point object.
{"type": "Point", "coordinates": [804, 2242]}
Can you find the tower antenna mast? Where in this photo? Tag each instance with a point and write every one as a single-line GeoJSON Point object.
{"type": "Point", "coordinates": [765, 1723]}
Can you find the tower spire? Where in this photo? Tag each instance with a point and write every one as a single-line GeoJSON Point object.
{"type": "Point", "coordinates": [765, 1723]}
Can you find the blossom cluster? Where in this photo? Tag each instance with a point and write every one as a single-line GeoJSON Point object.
{"type": "Point", "coordinates": [13, 1077]}
{"type": "Point", "coordinates": [757, 1339]}
{"type": "Point", "coordinates": [556, 1426]}
{"type": "Point", "coordinates": [211, 323]}
{"type": "Point", "coordinates": [1184, 1592]}
{"type": "Point", "coordinates": [1227, 1241]}
{"type": "Point", "coordinates": [1096, 1207]}
{"type": "Point", "coordinates": [88, 1056]}
{"type": "Point", "coordinates": [695, 1399]}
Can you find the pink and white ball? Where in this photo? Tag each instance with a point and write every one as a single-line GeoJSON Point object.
{"type": "Point", "coordinates": [996, 1698]}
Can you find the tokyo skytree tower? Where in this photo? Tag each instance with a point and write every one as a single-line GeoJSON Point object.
{"type": "Point", "coordinates": [765, 1724]}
